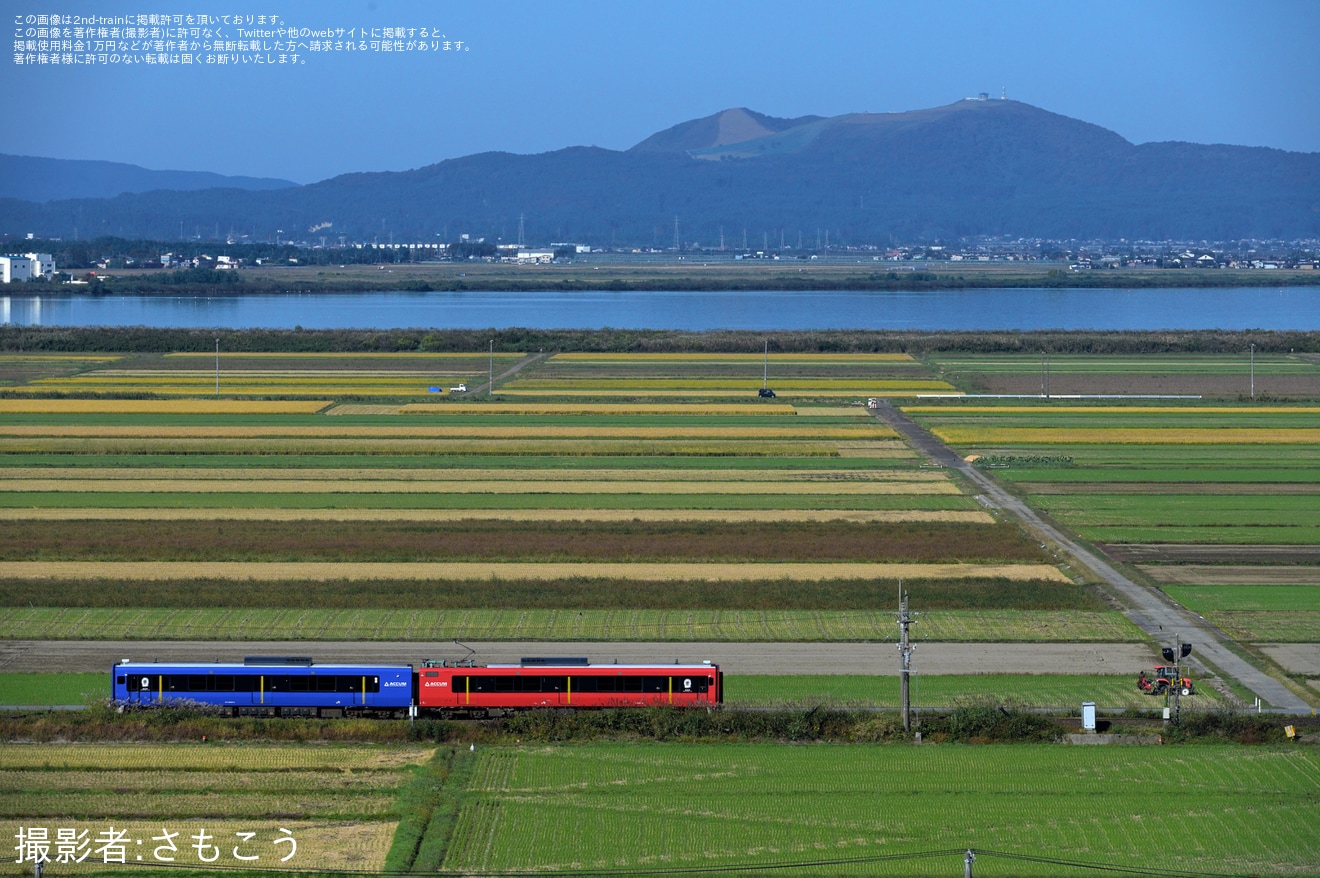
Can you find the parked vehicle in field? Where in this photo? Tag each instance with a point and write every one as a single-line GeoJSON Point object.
{"type": "Point", "coordinates": [461, 388]}
{"type": "Point", "coordinates": [1165, 678]}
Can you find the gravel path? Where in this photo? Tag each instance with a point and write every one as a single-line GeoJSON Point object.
{"type": "Point", "coordinates": [88, 656]}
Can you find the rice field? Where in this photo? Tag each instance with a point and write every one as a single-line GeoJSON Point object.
{"type": "Point", "coordinates": [1061, 691]}
{"type": "Point", "coordinates": [161, 406]}
{"type": "Point", "coordinates": [962, 626]}
{"type": "Point", "coordinates": [963, 436]}
{"type": "Point", "coordinates": [274, 571]}
{"type": "Point", "coordinates": [191, 804]}
{"type": "Point", "coordinates": [861, 810]}
{"type": "Point", "coordinates": [1238, 477]}
{"type": "Point", "coordinates": [722, 516]}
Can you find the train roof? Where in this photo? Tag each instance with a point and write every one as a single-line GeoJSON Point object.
{"type": "Point", "coordinates": [654, 666]}
{"type": "Point", "coordinates": [249, 666]}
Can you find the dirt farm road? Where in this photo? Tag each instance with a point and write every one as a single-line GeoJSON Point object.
{"type": "Point", "coordinates": [92, 656]}
{"type": "Point", "coordinates": [1158, 617]}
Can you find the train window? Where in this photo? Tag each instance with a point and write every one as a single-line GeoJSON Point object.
{"type": "Point", "coordinates": [554, 684]}
{"type": "Point", "coordinates": [119, 680]}
{"type": "Point", "coordinates": [324, 683]}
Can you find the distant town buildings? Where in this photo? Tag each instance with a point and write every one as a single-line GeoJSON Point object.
{"type": "Point", "coordinates": [15, 267]}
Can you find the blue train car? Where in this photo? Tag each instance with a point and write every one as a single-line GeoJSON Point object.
{"type": "Point", "coordinates": [268, 686]}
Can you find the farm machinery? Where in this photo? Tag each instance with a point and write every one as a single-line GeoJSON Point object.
{"type": "Point", "coordinates": [1165, 678]}
{"type": "Point", "coordinates": [1168, 678]}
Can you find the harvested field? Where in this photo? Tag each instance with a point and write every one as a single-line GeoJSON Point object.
{"type": "Point", "coordinates": [509, 541]}
{"type": "Point", "coordinates": [364, 409]}
{"type": "Point", "coordinates": [960, 436]}
{"type": "Point", "coordinates": [476, 475]}
{"type": "Point", "coordinates": [1231, 574]}
{"type": "Point", "coordinates": [881, 516]}
{"type": "Point", "coordinates": [734, 658]}
{"type": "Point", "coordinates": [503, 486]}
{"type": "Point", "coordinates": [1158, 488]}
{"type": "Point", "coordinates": [564, 594]}
{"type": "Point", "coordinates": [443, 431]}
{"type": "Point", "coordinates": [1169, 553]}
{"type": "Point", "coordinates": [757, 359]}
{"type": "Point", "coordinates": [1295, 658]}
{"type": "Point", "coordinates": [852, 411]}
{"type": "Point", "coordinates": [1004, 626]}
{"type": "Point", "coordinates": [1294, 386]}
{"type": "Point", "coordinates": [652, 572]}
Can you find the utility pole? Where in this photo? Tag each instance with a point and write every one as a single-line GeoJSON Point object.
{"type": "Point", "coordinates": [490, 386]}
{"type": "Point", "coordinates": [1253, 370]}
{"type": "Point", "coordinates": [967, 863]}
{"type": "Point", "coordinates": [765, 374]}
{"type": "Point", "coordinates": [217, 365]}
{"type": "Point", "coordinates": [905, 657]}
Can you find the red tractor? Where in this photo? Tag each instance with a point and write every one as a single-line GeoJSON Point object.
{"type": "Point", "coordinates": [1166, 678]}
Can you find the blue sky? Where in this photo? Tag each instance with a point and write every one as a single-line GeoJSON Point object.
{"type": "Point", "coordinates": [538, 76]}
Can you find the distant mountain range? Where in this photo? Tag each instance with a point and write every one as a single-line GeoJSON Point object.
{"type": "Point", "coordinates": [974, 167]}
{"type": "Point", "coordinates": [36, 179]}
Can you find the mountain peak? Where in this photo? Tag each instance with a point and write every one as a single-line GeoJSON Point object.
{"type": "Point", "coordinates": [736, 125]}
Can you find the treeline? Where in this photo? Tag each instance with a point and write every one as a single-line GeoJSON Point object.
{"type": "Point", "coordinates": [137, 339]}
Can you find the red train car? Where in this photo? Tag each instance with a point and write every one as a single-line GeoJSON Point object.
{"type": "Point", "coordinates": [479, 690]}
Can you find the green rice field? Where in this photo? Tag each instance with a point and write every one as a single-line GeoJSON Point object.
{"type": "Point", "coordinates": [829, 810]}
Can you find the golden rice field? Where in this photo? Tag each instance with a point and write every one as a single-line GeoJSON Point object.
{"type": "Point", "coordinates": [59, 358]}
{"type": "Point", "coordinates": [476, 476]}
{"type": "Point", "coordinates": [503, 486]}
{"type": "Point", "coordinates": [270, 571]}
{"type": "Point", "coordinates": [162, 406]}
{"type": "Point", "coordinates": [451, 431]}
{"type": "Point", "coordinates": [606, 408]}
{"type": "Point", "coordinates": [200, 757]}
{"type": "Point", "coordinates": [852, 385]}
{"type": "Point", "coordinates": [355, 847]}
{"type": "Point", "coordinates": [733, 358]}
{"type": "Point", "coordinates": [873, 389]}
{"type": "Point", "coordinates": [1126, 436]}
{"type": "Point", "coordinates": [730, 516]}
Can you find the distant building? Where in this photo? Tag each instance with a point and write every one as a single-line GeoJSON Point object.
{"type": "Point", "coordinates": [15, 267]}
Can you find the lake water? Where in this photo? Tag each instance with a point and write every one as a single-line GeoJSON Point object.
{"type": "Point", "coordinates": [1276, 308]}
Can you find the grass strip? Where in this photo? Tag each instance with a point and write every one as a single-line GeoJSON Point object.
{"type": "Point", "coordinates": [52, 689]}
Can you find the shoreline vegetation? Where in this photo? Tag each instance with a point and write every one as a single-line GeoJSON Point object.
{"type": "Point", "coordinates": [149, 340]}
{"type": "Point", "coordinates": [687, 275]}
